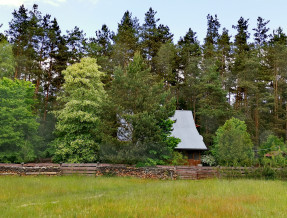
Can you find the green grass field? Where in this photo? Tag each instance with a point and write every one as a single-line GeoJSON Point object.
{"type": "Point", "coordinates": [73, 196]}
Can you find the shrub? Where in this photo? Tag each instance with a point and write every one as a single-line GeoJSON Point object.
{"type": "Point", "coordinates": [208, 159]}
{"type": "Point", "coordinates": [233, 145]}
{"type": "Point", "coordinates": [178, 159]}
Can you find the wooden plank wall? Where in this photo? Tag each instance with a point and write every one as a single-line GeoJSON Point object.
{"type": "Point", "coordinates": [83, 169]}
{"type": "Point", "coordinates": [196, 172]}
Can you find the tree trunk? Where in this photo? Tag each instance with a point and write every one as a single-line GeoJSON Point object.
{"type": "Point", "coordinates": [285, 121]}
{"type": "Point", "coordinates": [194, 109]}
{"type": "Point", "coordinates": [16, 73]}
{"type": "Point", "coordinates": [256, 119]}
{"type": "Point", "coordinates": [37, 87]}
{"type": "Point", "coordinates": [246, 101]}
{"type": "Point", "coordinates": [46, 103]}
{"type": "Point", "coordinates": [275, 86]}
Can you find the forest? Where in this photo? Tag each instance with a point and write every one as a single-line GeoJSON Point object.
{"type": "Point", "coordinates": [109, 98]}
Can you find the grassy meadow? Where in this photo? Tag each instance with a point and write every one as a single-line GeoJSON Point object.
{"type": "Point", "coordinates": [75, 196]}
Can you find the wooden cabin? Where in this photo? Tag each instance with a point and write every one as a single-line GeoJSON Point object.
{"type": "Point", "coordinates": [191, 144]}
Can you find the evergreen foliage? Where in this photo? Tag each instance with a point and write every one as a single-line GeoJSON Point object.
{"type": "Point", "coordinates": [242, 76]}
{"type": "Point", "coordinates": [7, 64]}
{"type": "Point", "coordinates": [126, 40]}
{"type": "Point", "coordinates": [213, 107]}
{"type": "Point", "coordinates": [141, 108]}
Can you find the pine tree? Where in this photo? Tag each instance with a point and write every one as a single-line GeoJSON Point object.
{"type": "Point", "coordinates": [18, 37]}
{"type": "Point", "coordinates": [101, 48]}
{"type": "Point", "coordinates": [189, 60]}
{"type": "Point", "coordinates": [143, 106]}
{"type": "Point", "coordinates": [213, 108]}
{"type": "Point", "coordinates": [276, 59]}
{"type": "Point", "coordinates": [261, 31]}
{"type": "Point", "coordinates": [153, 36]}
{"type": "Point", "coordinates": [126, 41]}
{"type": "Point", "coordinates": [224, 61]}
{"type": "Point", "coordinates": [55, 61]}
{"type": "Point", "coordinates": [41, 53]}
{"type": "Point", "coordinates": [212, 36]}
{"type": "Point", "coordinates": [166, 64]}
{"type": "Point", "coordinates": [7, 64]}
{"type": "Point", "coordinates": [240, 72]}
{"type": "Point", "coordinates": [262, 79]}
{"type": "Point", "coordinates": [77, 43]}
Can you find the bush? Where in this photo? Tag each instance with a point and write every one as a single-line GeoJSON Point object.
{"type": "Point", "coordinates": [233, 145]}
{"type": "Point", "coordinates": [276, 148]}
{"type": "Point", "coordinates": [178, 159]}
{"type": "Point", "coordinates": [208, 159]}
{"type": "Point", "coordinates": [269, 173]}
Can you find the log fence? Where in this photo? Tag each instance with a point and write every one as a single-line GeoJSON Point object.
{"type": "Point", "coordinates": [156, 172]}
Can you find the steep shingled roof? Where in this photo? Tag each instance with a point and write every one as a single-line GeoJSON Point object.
{"type": "Point", "coordinates": [184, 128]}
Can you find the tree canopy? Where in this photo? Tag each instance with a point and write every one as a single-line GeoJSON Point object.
{"type": "Point", "coordinates": [18, 132]}
{"type": "Point", "coordinates": [233, 145]}
{"type": "Point", "coordinates": [78, 118]}
{"type": "Point", "coordinates": [242, 76]}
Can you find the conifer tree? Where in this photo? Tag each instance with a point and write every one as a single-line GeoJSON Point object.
{"type": "Point", "coordinates": [212, 36]}
{"type": "Point", "coordinates": [101, 48]}
{"type": "Point", "coordinates": [261, 31]}
{"type": "Point", "coordinates": [189, 59]}
{"type": "Point", "coordinates": [76, 42]}
{"type": "Point", "coordinates": [153, 36]}
{"type": "Point", "coordinates": [18, 36]}
{"type": "Point", "coordinates": [276, 59]}
{"type": "Point", "coordinates": [7, 63]}
{"type": "Point", "coordinates": [260, 94]}
{"type": "Point", "coordinates": [213, 107]}
{"type": "Point", "coordinates": [126, 41]}
{"type": "Point", "coordinates": [224, 61]}
{"type": "Point", "coordinates": [239, 70]}
{"type": "Point", "coordinates": [142, 106]}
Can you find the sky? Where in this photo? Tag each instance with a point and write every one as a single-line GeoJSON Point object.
{"type": "Point", "coordinates": [179, 15]}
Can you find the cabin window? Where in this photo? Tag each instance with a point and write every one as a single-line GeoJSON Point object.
{"type": "Point", "coordinates": [196, 156]}
{"type": "Point", "coordinates": [190, 155]}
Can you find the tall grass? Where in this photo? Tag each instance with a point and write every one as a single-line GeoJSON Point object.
{"type": "Point", "coordinates": [73, 196]}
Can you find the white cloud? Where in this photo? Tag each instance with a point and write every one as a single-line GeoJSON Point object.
{"type": "Point", "coordinates": [30, 2]}
{"type": "Point", "coordinates": [56, 3]}
{"type": "Point", "coordinates": [89, 1]}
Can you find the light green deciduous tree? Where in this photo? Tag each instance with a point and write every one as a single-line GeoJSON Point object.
{"type": "Point", "coordinates": [78, 122]}
{"type": "Point", "coordinates": [233, 145]}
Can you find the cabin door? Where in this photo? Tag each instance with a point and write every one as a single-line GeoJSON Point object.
{"type": "Point", "coordinates": [194, 158]}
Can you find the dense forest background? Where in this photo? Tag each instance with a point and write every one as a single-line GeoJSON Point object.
{"type": "Point", "coordinates": [242, 76]}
